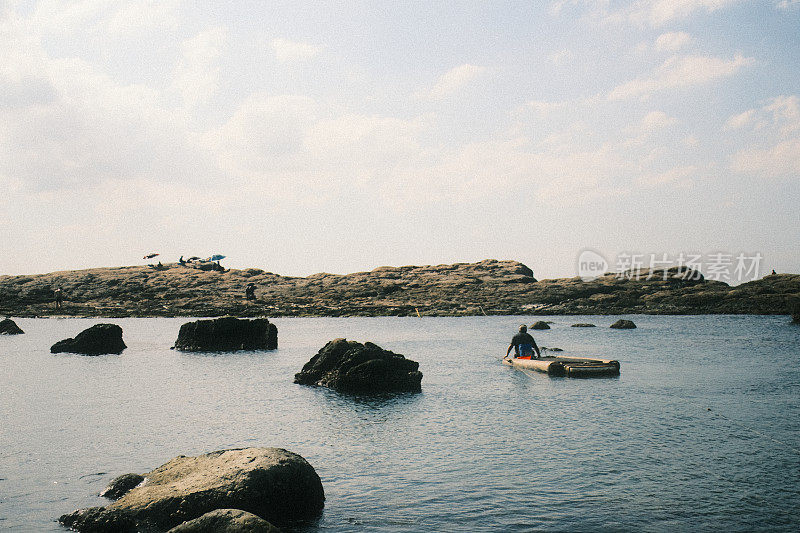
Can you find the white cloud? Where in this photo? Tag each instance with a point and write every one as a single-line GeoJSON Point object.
{"type": "Point", "coordinates": [672, 41]}
{"type": "Point", "coordinates": [455, 79]}
{"type": "Point", "coordinates": [660, 12]}
{"type": "Point", "coordinates": [680, 72]}
{"type": "Point", "coordinates": [656, 120]}
{"type": "Point", "coordinates": [775, 139]}
{"type": "Point", "coordinates": [197, 75]}
{"type": "Point", "coordinates": [786, 5]}
{"type": "Point", "coordinates": [679, 176]}
{"type": "Point", "coordinates": [741, 120]}
{"type": "Point", "coordinates": [561, 56]}
{"type": "Point", "coordinates": [287, 51]}
{"type": "Point", "coordinates": [109, 19]}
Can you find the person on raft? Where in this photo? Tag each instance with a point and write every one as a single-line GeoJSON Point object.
{"type": "Point", "coordinates": [523, 344]}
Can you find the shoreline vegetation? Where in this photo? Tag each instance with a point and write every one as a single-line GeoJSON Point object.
{"type": "Point", "coordinates": [489, 287]}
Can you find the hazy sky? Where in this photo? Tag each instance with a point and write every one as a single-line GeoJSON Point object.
{"type": "Point", "coordinates": [302, 137]}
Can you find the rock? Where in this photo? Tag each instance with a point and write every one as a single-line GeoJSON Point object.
{"type": "Point", "coordinates": [9, 327]}
{"type": "Point", "coordinates": [540, 325]}
{"type": "Point", "coordinates": [796, 312]}
{"type": "Point", "coordinates": [97, 340]}
{"type": "Point", "coordinates": [623, 324]}
{"type": "Point", "coordinates": [227, 334]}
{"type": "Point", "coordinates": [271, 483]}
{"type": "Point", "coordinates": [226, 521]}
{"type": "Point", "coordinates": [545, 348]}
{"type": "Point", "coordinates": [120, 485]}
{"type": "Point", "coordinates": [349, 366]}
{"type": "Point", "coordinates": [582, 325]}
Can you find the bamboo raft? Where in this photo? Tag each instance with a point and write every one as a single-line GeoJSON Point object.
{"type": "Point", "coordinates": [571, 367]}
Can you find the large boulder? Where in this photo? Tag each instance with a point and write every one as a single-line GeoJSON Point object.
{"type": "Point", "coordinates": [274, 484]}
{"type": "Point", "coordinates": [227, 334]}
{"type": "Point", "coordinates": [97, 340]}
{"type": "Point", "coordinates": [226, 521]}
{"type": "Point", "coordinates": [352, 367]}
{"type": "Point", "coordinates": [540, 325]}
{"type": "Point", "coordinates": [9, 327]}
{"type": "Point", "coordinates": [623, 324]}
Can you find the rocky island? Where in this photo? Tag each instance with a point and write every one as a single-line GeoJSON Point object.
{"type": "Point", "coordinates": [489, 287]}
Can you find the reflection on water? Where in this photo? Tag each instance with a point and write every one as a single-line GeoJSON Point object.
{"type": "Point", "coordinates": [700, 430]}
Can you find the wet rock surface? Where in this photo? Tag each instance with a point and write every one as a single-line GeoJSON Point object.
{"type": "Point", "coordinates": [120, 485]}
{"type": "Point", "coordinates": [271, 483]}
{"type": "Point", "coordinates": [9, 327]}
{"type": "Point", "coordinates": [227, 334]}
{"type": "Point", "coordinates": [99, 339]}
{"type": "Point", "coordinates": [623, 324]}
{"type": "Point", "coordinates": [349, 366]}
{"type": "Point", "coordinates": [540, 325]}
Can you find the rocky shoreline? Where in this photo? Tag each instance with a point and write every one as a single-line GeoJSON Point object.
{"type": "Point", "coordinates": [489, 287]}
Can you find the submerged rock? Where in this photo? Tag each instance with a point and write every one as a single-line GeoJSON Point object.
{"type": "Point", "coordinates": [9, 327]}
{"type": "Point", "coordinates": [97, 340]}
{"type": "Point", "coordinates": [227, 334]}
{"type": "Point", "coordinates": [623, 324]}
{"type": "Point", "coordinates": [120, 485]}
{"type": "Point", "coordinates": [350, 366]}
{"type": "Point", "coordinates": [540, 325]}
{"type": "Point", "coordinates": [226, 521]}
{"type": "Point", "coordinates": [274, 484]}
{"type": "Point", "coordinates": [583, 325]}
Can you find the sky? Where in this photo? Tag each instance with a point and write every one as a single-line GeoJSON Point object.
{"type": "Point", "coordinates": [303, 137]}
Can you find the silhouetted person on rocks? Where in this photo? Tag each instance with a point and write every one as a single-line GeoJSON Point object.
{"type": "Point", "coordinates": [250, 292]}
{"type": "Point", "coordinates": [523, 344]}
{"type": "Point", "coordinates": [59, 296]}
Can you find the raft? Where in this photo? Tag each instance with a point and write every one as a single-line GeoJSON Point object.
{"type": "Point", "coordinates": [571, 367]}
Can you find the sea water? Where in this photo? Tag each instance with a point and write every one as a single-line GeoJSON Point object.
{"type": "Point", "coordinates": [701, 431]}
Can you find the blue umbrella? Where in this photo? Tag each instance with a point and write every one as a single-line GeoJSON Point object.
{"type": "Point", "coordinates": [217, 257]}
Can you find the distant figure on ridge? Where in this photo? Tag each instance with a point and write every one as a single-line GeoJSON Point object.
{"type": "Point", "coordinates": [181, 261]}
{"type": "Point", "coordinates": [523, 344]}
{"type": "Point", "coordinates": [250, 292]}
{"type": "Point", "coordinates": [59, 296]}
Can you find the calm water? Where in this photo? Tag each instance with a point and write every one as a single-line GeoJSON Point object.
{"type": "Point", "coordinates": [700, 432]}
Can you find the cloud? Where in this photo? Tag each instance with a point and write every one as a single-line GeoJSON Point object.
{"type": "Point", "coordinates": [109, 19]}
{"type": "Point", "coordinates": [786, 5]}
{"type": "Point", "coordinates": [680, 72]}
{"type": "Point", "coordinates": [672, 41]}
{"type": "Point", "coordinates": [197, 74]}
{"type": "Point", "coordinates": [454, 80]}
{"type": "Point", "coordinates": [561, 56]}
{"type": "Point", "coordinates": [291, 51]}
{"type": "Point", "coordinates": [775, 138]}
{"type": "Point", "coordinates": [656, 120]}
{"type": "Point", "coordinates": [679, 176]}
{"type": "Point", "coordinates": [660, 12]}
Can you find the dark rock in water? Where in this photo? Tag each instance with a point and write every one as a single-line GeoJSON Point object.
{"type": "Point", "coordinates": [97, 340]}
{"type": "Point", "coordinates": [623, 324]}
{"type": "Point", "coordinates": [350, 366]}
{"type": "Point", "coordinates": [226, 521]}
{"type": "Point", "coordinates": [545, 348]}
{"type": "Point", "coordinates": [120, 485]}
{"type": "Point", "coordinates": [9, 327]}
{"type": "Point", "coordinates": [583, 325]}
{"type": "Point", "coordinates": [271, 483]}
{"type": "Point", "coordinates": [227, 334]}
{"type": "Point", "coordinates": [796, 312]}
{"type": "Point", "coordinates": [540, 325]}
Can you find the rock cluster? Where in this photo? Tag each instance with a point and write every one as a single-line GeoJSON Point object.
{"type": "Point", "coordinates": [97, 340]}
{"type": "Point", "coordinates": [349, 366]}
{"type": "Point", "coordinates": [623, 324]}
{"type": "Point", "coordinates": [273, 484]}
{"type": "Point", "coordinates": [9, 327]}
{"type": "Point", "coordinates": [227, 334]}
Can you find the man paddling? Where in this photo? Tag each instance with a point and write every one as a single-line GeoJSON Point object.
{"type": "Point", "coordinates": [523, 344]}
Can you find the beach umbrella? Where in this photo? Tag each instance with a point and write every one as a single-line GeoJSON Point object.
{"type": "Point", "coordinates": [150, 256]}
{"type": "Point", "coordinates": [217, 257]}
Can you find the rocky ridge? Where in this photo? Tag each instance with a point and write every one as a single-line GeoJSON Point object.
{"type": "Point", "coordinates": [488, 287]}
